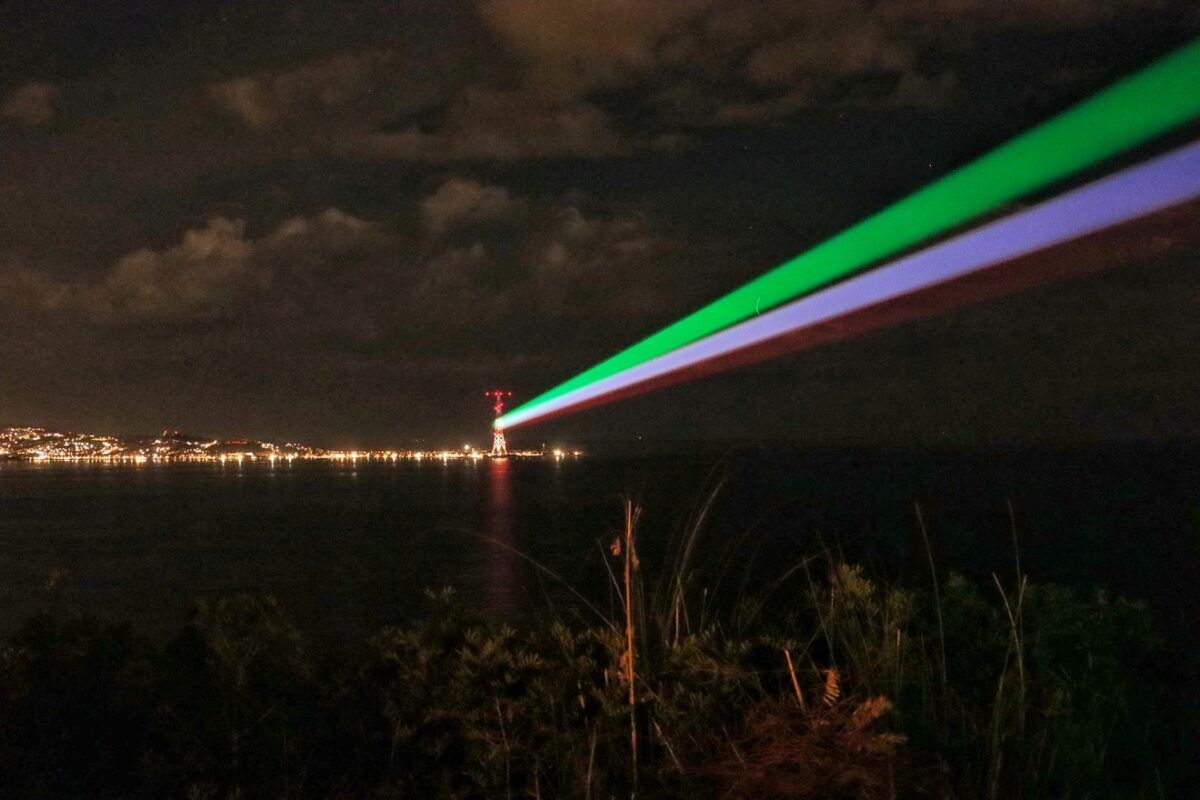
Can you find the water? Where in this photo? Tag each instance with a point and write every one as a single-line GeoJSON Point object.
{"type": "Point", "coordinates": [349, 546]}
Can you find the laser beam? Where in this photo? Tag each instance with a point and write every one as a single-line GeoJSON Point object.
{"type": "Point", "coordinates": [1150, 102]}
{"type": "Point", "coordinates": [1148, 188]}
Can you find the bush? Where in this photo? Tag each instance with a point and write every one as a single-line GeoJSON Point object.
{"type": "Point", "coordinates": [841, 690]}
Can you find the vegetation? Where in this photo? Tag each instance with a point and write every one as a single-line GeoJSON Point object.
{"type": "Point", "coordinates": [829, 684]}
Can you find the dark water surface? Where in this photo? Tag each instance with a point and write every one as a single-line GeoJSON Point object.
{"type": "Point", "coordinates": [349, 546]}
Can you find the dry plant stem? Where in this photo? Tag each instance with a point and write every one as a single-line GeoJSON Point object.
{"type": "Point", "coordinates": [630, 672]}
{"type": "Point", "coordinates": [795, 683]}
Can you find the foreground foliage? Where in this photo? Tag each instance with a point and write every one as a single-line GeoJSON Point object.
{"type": "Point", "coordinates": [849, 688]}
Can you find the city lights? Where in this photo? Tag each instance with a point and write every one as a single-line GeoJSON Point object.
{"type": "Point", "coordinates": [39, 444]}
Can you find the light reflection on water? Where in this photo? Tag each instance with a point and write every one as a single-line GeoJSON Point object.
{"type": "Point", "coordinates": [500, 570]}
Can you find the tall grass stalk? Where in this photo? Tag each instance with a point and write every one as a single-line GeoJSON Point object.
{"type": "Point", "coordinates": [631, 564]}
{"type": "Point", "coordinates": [937, 598]}
{"type": "Point", "coordinates": [676, 613]}
{"type": "Point", "coordinates": [1013, 610]}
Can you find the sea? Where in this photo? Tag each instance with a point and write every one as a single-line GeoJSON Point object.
{"type": "Point", "coordinates": [349, 546]}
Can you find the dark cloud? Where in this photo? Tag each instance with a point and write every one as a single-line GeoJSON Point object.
{"type": "Point", "coordinates": [760, 61]}
{"type": "Point", "coordinates": [371, 105]}
{"type": "Point", "coordinates": [487, 257]}
{"type": "Point", "coordinates": [484, 123]}
{"type": "Point", "coordinates": [31, 104]}
{"type": "Point", "coordinates": [332, 271]}
{"type": "Point", "coordinates": [461, 201]}
{"type": "Point", "coordinates": [320, 90]}
{"type": "Point", "coordinates": [573, 47]}
{"type": "Point", "coordinates": [213, 272]}
{"type": "Point", "coordinates": [600, 268]}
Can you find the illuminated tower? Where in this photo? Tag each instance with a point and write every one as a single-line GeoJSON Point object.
{"type": "Point", "coordinates": [499, 446]}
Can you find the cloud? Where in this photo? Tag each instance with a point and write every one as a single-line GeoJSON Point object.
{"type": "Point", "coordinates": [585, 43]}
{"type": "Point", "coordinates": [330, 229]}
{"type": "Point", "coordinates": [23, 288]}
{"type": "Point", "coordinates": [452, 292]}
{"type": "Point", "coordinates": [462, 200]}
{"type": "Point", "coordinates": [31, 105]}
{"type": "Point", "coordinates": [536, 276]}
{"type": "Point", "coordinates": [366, 105]}
{"type": "Point", "coordinates": [215, 271]}
{"type": "Point", "coordinates": [600, 267]}
{"type": "Point", "coordinates": [482, 123]}
{"type": "Point", "coordinates": [704, 62]}
{"type": "Point", "coordinates": [247, 99]}
{"type": "Point", "coordinates": [828, 46]}
{"type": "Point", "coordinates": [700, 62]}
{"type": "Point", "coordinates": [554, 263]}
{"type": "Point", "coordinates": [476, 256]}
{"type": "Point", "coordinates": [613, 78]}
{"type": "Point", "coordinates": [324, 87]}
{"type": "Point", "coordinates": [206, 273]}
{"type": "Point", "coordinates": [466, 201]}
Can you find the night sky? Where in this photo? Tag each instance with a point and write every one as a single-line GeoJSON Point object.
{"type": "Point", "coordinates": [341, 222]}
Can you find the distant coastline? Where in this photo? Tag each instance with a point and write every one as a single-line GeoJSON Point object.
{"type": "Point", "coordinates": [41, 445]}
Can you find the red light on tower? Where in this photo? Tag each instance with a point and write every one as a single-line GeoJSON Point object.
{"type": "Point", "coordinates": [499, 446]}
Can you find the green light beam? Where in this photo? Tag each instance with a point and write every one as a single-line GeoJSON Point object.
{"type": "Point", "coordinates": [1150, 102]}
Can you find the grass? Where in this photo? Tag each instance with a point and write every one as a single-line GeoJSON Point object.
{"type": "Point", "coordinates": [828, 682]}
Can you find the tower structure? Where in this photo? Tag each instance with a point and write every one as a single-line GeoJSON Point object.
{"type": "Point", "coordinates": [499, 446]}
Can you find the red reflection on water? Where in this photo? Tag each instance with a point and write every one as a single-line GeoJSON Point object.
{"type": "Point", "coordinates": [500, 568]}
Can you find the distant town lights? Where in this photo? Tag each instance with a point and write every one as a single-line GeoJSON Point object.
{"type": "Point", "coordinates": [37, 444]}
